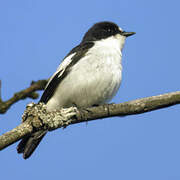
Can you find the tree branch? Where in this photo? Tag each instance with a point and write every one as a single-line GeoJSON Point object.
{"type": "Point", "coordinates": [37, 118]}
{"type": "Point", "coordinates": [28, 92]}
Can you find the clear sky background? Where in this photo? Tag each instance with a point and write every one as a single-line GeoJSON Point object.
{"type": "Point", "coordinates": [34, 38]}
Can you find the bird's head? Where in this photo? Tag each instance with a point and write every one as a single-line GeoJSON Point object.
{"type": "Point", "coordinates": [103, 30]}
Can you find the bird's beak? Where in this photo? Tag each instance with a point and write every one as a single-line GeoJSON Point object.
{"type": "Point", "coordinates": [124, 33]}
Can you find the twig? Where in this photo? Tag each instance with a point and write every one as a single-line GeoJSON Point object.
{"type": "Point", "coordinates": [28, 92]}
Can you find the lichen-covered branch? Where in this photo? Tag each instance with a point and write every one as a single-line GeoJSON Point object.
{"type": "Point", "coordinates": [28, 92]}
{"type": "Point", "coordinates": [36, 117]}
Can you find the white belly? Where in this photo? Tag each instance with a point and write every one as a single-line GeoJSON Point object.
{"type": "Point", "coordinates": [93, 80]}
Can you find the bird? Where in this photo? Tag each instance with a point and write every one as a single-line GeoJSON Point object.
{"type": "Point", "coordinates": [89, 75]}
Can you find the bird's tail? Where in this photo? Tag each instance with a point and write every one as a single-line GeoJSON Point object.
{"type": "Point", "coordinates": [29, 143]}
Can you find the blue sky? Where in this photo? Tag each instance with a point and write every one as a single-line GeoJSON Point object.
{"type": "Point", "coordinates": [34, 38]}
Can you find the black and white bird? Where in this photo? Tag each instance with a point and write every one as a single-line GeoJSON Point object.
{"type": "Point", "coordinates": [89, 75]}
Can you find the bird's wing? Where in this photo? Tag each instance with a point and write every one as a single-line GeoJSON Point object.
{"type": "Point", "coordinates": [72, 58]}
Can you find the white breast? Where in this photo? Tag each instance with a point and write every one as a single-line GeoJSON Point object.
{"type": "Point", "coordinates": [93, 80]}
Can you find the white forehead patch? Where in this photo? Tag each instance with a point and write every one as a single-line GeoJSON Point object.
{"type": "Point", "coordinates": [120, 29]}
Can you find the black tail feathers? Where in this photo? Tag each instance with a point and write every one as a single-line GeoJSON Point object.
{"type": "Point", "coordinates": [29, 143]}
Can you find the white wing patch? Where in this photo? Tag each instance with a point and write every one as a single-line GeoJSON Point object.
{"type": "Point", "coordinates": [62, 67]}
